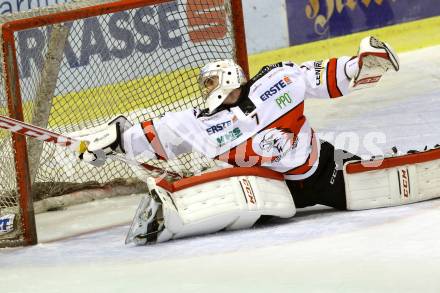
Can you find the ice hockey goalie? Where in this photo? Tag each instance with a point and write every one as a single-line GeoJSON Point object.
{"type": "Point", "coordinates": [258, 123]}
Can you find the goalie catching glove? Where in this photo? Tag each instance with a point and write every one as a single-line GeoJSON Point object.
{"type": "Point", "coordinates": [103, 140]}
{"type": "Point", "coordinates": [373, 60]}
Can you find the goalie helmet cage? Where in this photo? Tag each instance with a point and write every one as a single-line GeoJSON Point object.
{"type": "Point", "coordinates": [72, 66]}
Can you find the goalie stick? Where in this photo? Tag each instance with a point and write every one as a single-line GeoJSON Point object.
{"type": "Point", "coordinates": [79, 146]}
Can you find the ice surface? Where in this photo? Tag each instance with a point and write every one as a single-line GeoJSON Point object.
{"type": "Point", "coordinates": [319, 250]}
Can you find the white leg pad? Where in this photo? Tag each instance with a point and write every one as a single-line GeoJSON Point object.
{"type": "Point", "coordinates": [226, 204]}
{"type": "Point", "coordinates": [393, 186]}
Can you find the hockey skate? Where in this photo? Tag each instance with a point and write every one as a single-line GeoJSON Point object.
{"type": "Point", "coordinates": [148, 219]}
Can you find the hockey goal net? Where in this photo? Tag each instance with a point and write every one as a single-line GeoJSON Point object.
{"type": "Point", "coordinates": [73, 66]}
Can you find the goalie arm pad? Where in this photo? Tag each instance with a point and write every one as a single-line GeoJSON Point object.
{"type": "Point", "coordinates": [393, 181]}
{"type": "Point", "coordinates": [157, 139]}
{"type": "Point", "coordinates": [326, 78]}
{"type": "Point", "coordinates": [148, 140]}
{"type": "Point", "coordinates": [225, 204]}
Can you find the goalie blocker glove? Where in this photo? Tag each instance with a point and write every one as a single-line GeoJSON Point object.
{"type": "Point", "coordinates": [103, 140]}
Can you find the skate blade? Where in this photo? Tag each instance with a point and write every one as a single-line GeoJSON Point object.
{"type": "Point", "coordinates": [136, 224]}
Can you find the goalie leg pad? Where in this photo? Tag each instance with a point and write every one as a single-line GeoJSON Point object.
{"type": "Point", "coordinates": [392, 186]}
{"type": "Point", "coordinates": [226, 204]}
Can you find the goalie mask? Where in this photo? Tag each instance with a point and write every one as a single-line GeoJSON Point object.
{"type": "Point", "coordinates": [218, 79]}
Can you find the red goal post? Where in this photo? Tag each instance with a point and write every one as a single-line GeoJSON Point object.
{"type": "Point", "coordinates": [65, 69]}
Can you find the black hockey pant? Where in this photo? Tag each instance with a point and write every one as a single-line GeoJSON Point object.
{"type": "Point", "coordinates": [326, 186]}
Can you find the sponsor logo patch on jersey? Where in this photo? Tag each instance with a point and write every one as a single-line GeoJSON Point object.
{"type": "Point", "coordinates": [273, 90]}
{"type": "Point", "coordinates": [229, 136]}
{"type": "Point", "coordinates": [287, 80]}
{"type": "Point", "coordinates": [283, 100]}
{"type": "Point", "coordinates": [7, 224]}
{"type": "Point", "coordinates": [318, 71]}
{"type": "Point", "coordinates": [218, 127]}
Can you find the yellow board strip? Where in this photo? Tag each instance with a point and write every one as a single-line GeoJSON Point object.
{"type": "Point", "coordinates": [402, 37]}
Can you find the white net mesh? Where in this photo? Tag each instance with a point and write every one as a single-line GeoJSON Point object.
{"type": "Point", "coordinates": [139, 62]}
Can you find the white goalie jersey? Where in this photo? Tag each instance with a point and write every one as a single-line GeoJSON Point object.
{"type": "Point", "coordinates": [267, 127]}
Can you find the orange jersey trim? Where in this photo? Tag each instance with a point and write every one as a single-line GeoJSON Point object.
{"type": "Point", "coordinates": [392, 162]}
{"type": "Point", "coordinates": [332, 82]}
{"type": "Point", "coordinates": [153, 139]}
{"type": "Point", "coordinates": [310, 162]}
